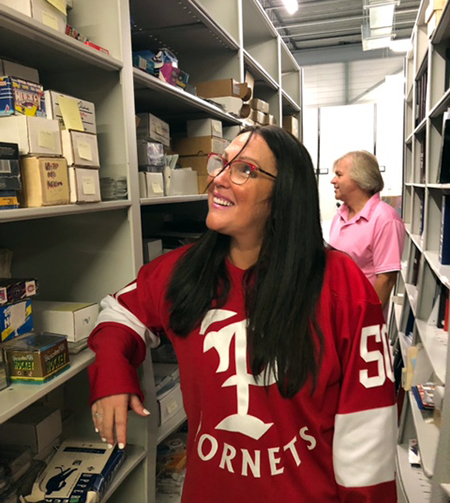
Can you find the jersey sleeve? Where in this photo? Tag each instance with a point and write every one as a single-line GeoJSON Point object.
{"type": "Point", "coordinates": [365, 425]}
{"type": "Point", "coordinates": [126, 326]}
{"type": "Point", "coordinates": [388, 244]}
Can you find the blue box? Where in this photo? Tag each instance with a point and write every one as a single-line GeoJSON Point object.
{"type": "Point", "coordinates": [15, 319]}
{"type": "Point", "coordinates": [20, 97]}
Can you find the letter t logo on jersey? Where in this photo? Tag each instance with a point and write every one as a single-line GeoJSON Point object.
{"type": "Point", "coordinates": [220, 340]}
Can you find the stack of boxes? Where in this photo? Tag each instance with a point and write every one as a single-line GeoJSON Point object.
{"type": "Point", "coordinates": [203, 137]}
{"type": "Point", "coordinates": [55, 137]}
{"type": "Point", "coordinates": [259, 112]}
{"type": "Point", "coordinates": [290, 123]}
{"type": "Point", "coordinates": [228, 93]}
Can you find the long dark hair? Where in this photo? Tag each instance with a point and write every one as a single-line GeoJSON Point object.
{"type": "Point", "coordinates": [282, 289]}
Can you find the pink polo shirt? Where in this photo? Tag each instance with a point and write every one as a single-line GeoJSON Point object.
{"type": "Point", "coordinates": [374, 238]}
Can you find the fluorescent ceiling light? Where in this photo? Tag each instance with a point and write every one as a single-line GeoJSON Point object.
{"type": "Point", "coordinates": [291, 5]}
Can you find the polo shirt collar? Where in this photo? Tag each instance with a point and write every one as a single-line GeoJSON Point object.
{"type": "Point", "coordinates": [365, 213]}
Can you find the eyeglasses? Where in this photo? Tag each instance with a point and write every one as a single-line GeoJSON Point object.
{"type": "Point", "coordinates": [240, 171]}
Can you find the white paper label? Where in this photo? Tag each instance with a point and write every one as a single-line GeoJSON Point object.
{"type": "Point", "coordinates": [49, 20]}
{"type": "Point", "coordinates": [46, 139]}
{"type": "Point", "coordinates": [88, 183]}
{"type": "Point", "coordinates": [85, 150]}
{"type": "Point", "coordinates": [156, 188]}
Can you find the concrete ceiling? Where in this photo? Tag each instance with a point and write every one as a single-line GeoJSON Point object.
{"type": "Point", "coordinates": [325, 24]}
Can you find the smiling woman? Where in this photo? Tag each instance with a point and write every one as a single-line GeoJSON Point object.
{"type": "Point", "coordinates": [281, 346]}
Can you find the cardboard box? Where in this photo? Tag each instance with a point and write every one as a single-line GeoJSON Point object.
{"type": "Point", "coordinates": [151, 153]}
{"type": "Point", "coordinates": [199, 145]}
{"type": "Point", "coordinates": [152, 248]}
{"type": "Point", "coordinates": [34, 135]}
{"type": "Point", "coordinates": [20, 97]}
{"type": "Point", "coordinates": [10, 168]}
{"type": "Point", "coordinates": [37, 358]}
{"type": "Point", "coordinates": [433, 5]}
{"type": "Point", "coordinates": [85, 108]}
{"type": "Point", "coordinates": [204, 127]}
{"type": "Point", "coordinates": [80, 149]}
{"type": "Point", "coordinates": [257, 116]}
{"type": "Point", "coordinates": [231, 104]}
{"type": "Point", "coordinates": [151, 184]}
{"type": "Point", "coordinates": [170, 401]}
{"type": "Point", "coordinates": [89, 468]}
{"type": "Point", "coordinates": [12, 69]}
{"type": "Point", "coordinates": [15, 319]}
{"type": "Point", "coordinates": [46, 13]}
{"type": "Point", "coordinates": [14, 290]}
{"type": "Point", "coordinates": [35, 427]}
{"type": "Point", "coordinates": [257, 104]}
{"type": "Point", "coordinates": [433, 22]}
{"type": "Point", "coordinates": [290, 123]}
{"type": "Point", "coordinates": [23, 6]}
{"type": "Point", "coordinates": [203, 182]}
{"type": "Point", "coordinates": [250, 82]}
{"type": "Point", "coordinates": [196, 162]}
{"type": "Point", "coordinates": [224, 87]}
{"type": "Point", "coordinates": [45, 181]}
{"type": "Point", "coordinates": [75, 320]}
{"type": "Point", "coordinates": [84, 185]}
{"type": "Point", "coordinates": [181, 182]}
{"type": "Point", "coordinates": [152, 128]}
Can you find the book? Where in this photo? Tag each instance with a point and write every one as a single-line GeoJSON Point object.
{"type": "Point", "coordinates": [444, 156]}
{"type": "Point", "coordinates": [444, 236]}
{"type": "Point", "coordinates": [440, 322]}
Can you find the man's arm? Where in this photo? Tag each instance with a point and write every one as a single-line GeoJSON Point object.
{"type": "Point", "coordinates": [384, 284]}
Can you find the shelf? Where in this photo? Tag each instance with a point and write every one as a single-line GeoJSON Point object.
{"type": "Point", "coordinates": [412, 292]}
{"type": "Point", "coordinates": [398, 315]}
{"type": "Point", "coordinates": [17, 397]}
{"type": "Point", "coordinates": [134, 456]}
{"type": "Point", "coordinates": [258, 72]}
{"type": "Point", "coordinates": [173, 199]}
{"type": "Point", "coordinates": [289, 105]}
{"type": "Point", "coordinates": [171, 425]}
{"type": "Point", "coordinates": [21, 214]}
{"type": "Point", "coordinates": [435, 342]}
{"type": "Point", "coordinates": [427, 436]}
{"type": "Point", "coordinates": [170, 102]}
{"type": "Point", "coordinates": [421, 127]}
{"type": "Point", "coordinates": [417, 240]}
{"type": "Point", "coordinates": [173, 23]}
{"type": "Point", "coordinates": [441, 271]}
{"type": "Point", "coordinates": [47, 49]}
{"type": "Point", "coordinates": [442, 186]}
{"type": "Point", "coordinates": [441, 106]}
{"type": "Point", "coordinates": [414, 483]}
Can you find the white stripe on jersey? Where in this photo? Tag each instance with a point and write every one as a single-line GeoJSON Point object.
{"type": "Point", "coordinates": [364, 447]}
{"type": "Point", "coordinates": [112, 311]}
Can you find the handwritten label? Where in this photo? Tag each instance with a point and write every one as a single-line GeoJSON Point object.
{"type": "Point", "coordinates": [85, 150]}
{"type": "Point", "coordinates": [156, 188]}
{"type": "Point", "coordinates": [88, 184]}
{"type": "Point", "coordinates": [49, 20]}
{"type": "Point", "coordinates": [46, 139]}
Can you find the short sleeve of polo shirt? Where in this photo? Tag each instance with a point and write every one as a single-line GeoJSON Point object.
{"type": "Point", "coordinates": [388, 242]}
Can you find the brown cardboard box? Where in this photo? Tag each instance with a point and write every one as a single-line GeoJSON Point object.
{"type": "Point", "coordinates": [290, 123]}
{"type": "Point", "coordinates": [45, 181]}
{"type": "Point", "coordinates": [199, 145]}
{"type": "Point", "coordinates": [257, 104]}
{"type": "Point", "coordinates": [196, 162]}
{"type": "Point", "coordinates": [224, 87]}
{"type": "Point", "coordinates": [250, 82]}
{"type": "Point", "coordinates": [257, 116]}
{"type": "Point", "coordinates": [203, 182]}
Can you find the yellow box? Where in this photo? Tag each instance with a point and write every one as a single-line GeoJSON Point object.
{"type": "Point", "coordinates": [45, 181]}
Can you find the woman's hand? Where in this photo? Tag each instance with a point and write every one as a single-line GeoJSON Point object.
{"type": "Point", "coordinates": [110, 416]}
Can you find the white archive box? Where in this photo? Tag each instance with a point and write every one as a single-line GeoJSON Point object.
{"type": "Point", "coordinates": [75, 320]}
{"type": "Point", "coordinates": [204, 127]}
{"type": "Point", "coordinates": [170, 400]}
{"type": "Point", "coordinates": [44, 12]}
{"type": "Point", "coordinates": [151, 184]}
{"type": "Point", "coordinates": [23, 6]}
{"type": "Point", "coordinates": [80, 149]}
{"type": "Point", "coordinates": [84, 185]}
{"type": "Point", "coordinates": [85, 108]}
{"type": "Point", "coordinates": [34, 135]}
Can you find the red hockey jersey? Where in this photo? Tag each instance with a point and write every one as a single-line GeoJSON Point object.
{"type": "Point", "coordinates": [247, 443]}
